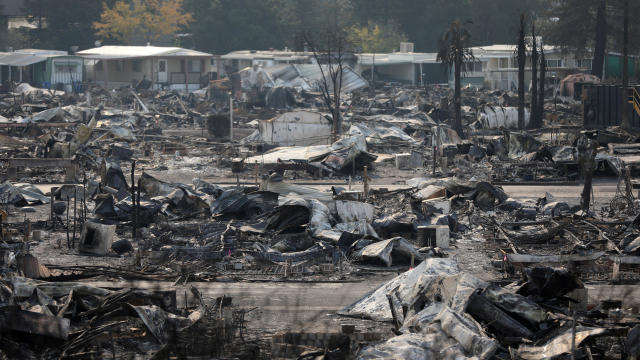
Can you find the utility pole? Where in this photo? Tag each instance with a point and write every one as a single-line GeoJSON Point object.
{"type": "Point", "coordinates": [230, 117]}
{"type": "Point", "coordinates": [372, 90]}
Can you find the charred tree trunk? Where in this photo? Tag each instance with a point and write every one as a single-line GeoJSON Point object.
{"type": "Point", "coordinates": [543, 79]}
{"type": "Point", "coordinates": [372, 84]}
{"type": "Point", "coordinates": [626, 121]}
{"type": "Point", "coordinates": [457, 97]}
{"type": "Point", "coordinates": [533, 122]}
{"type": "Point", "coordinates": [521, 62]}
{"type": "Point", "coordinates": [587, 149]}
{"type": "Point", "coordinates": [601, 40]}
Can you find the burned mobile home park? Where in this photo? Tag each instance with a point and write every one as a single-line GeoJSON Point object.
{"type": "Point", "coordinates": [330, 179]}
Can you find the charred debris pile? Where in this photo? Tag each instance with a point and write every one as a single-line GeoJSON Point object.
{"type": "Point", "coordinates": [148, 183]}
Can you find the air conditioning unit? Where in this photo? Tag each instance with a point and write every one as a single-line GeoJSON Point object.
{"type": "Point", "coordinates": [406, 47]}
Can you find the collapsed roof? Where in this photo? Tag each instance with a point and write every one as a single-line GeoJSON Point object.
{"type": "Point", "coordinates": [307, 77]}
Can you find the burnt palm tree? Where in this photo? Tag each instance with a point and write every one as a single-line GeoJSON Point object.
{"type": "Point", "coordinates": [535, 121]}
{"type": "Point", "coordinates": [454, 53]}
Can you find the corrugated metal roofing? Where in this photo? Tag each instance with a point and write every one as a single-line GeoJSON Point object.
{"type": "Point", "coordinates": [124, 52]}
{"type": "Point", "coordinates": [350, 79]}
{"type": "Point", "coordinates": [286, 72]}
{"type": "Point", "coordinates": [262, 54]}
{"type": "Point", "coordinates": [312, 76]}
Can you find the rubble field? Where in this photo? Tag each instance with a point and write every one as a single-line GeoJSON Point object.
{"type": "Point", "coordinates": [140, 224]}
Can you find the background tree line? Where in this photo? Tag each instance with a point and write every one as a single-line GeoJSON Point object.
{"type": "Point", "coordinates": [221, 26]}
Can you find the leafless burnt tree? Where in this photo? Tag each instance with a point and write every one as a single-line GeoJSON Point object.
{"type": "Point", "coordinates": [330, 51]}
{"type": "Point", "coordinates": [543, 79]}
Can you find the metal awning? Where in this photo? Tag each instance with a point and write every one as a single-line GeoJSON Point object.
{"type": "Point", "coordinates": [21, 59]}
{"type": "Point", "coordinates": [109, 57]}
{"type": "Point", "coordinates": [125, 57]}
{"type": "Point", "coordinates": [132, 52]}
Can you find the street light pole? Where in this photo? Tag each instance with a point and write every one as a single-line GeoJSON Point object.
{"type": "Point", "coordinates": [230, 117]}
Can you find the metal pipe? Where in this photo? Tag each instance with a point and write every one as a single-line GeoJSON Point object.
{"type": "Point", "coordinates": [365, 179]}
{"type": "Point", "coordinates": [134, 221]}
{"type": "Point", "coordinates": [75, 209]}
{"type": "Point", "coordinates": [68, 209]}
{"type": "Point", "coordinates": [573, 336]}
{"type": "Point", "coordinates": [84, 201]}
{"type": "Point", "coordinates": [51, 210]}
{"type": "Point", "coordinates": [137, 207]}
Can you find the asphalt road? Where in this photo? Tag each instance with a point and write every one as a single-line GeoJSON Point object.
{"type": "Point", "coordinates": [311, 307]}
{"type": "Point", "coordinates": [284, 306]}
{"type": "Point", "coordinates": [603, 190]}
{"type": "Point", "coordinates": [602, 193]}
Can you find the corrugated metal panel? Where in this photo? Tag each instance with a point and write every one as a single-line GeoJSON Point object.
{"type": "Point", "coordinates": [603, 106]}
{"type": "Point", "coordinates": [286, 72]}
{"type": "Point", "coordinates": [66, 71]}
{"type": "Point", "coordinates": [351, 81]}
{"type": "Point", "coordinates": [297, 128]}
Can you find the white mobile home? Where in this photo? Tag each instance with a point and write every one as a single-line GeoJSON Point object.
{"type": "Point", "coordinates": [165, 67]}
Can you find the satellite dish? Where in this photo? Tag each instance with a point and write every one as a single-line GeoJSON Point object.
{"type": "Point", "coordinates": [98, 43]}
{"type": "Point", "coordinates": [74, 49]}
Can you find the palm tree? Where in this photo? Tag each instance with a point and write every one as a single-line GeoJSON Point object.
{"type": "Point", "coordinates": [454, 52]}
